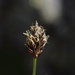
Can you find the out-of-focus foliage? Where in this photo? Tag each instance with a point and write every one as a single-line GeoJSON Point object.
{"type": "Point", "coordinates": [49, 10]}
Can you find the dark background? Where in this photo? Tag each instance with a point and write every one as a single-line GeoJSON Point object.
{"type": "Point", "coordinates": [58, 57]}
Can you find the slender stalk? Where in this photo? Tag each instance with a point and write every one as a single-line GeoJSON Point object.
{"type": "Point", "coordinates": [34, 66]}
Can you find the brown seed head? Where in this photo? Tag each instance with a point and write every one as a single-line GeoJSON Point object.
{"type": "Point", "coordinates": [36, 39]}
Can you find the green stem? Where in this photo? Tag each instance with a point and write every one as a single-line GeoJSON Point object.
{"type": "Point", "coordinates": [34, 66]}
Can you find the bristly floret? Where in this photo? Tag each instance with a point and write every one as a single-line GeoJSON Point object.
{"type": "Point", "coordinates": [36, 39]}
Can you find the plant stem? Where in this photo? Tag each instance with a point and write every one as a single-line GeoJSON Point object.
{"type": "Point", "coordinates": [34, 66]}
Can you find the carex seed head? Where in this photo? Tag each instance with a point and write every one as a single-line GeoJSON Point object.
{"type": "Point", "coordinates": [36, 39]}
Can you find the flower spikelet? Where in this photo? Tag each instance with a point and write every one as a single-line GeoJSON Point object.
{"type": "Point", "coordinates": [36, 39]}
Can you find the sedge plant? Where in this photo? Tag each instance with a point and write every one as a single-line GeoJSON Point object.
{"type": "Point", "coordinates": [35, 42]}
